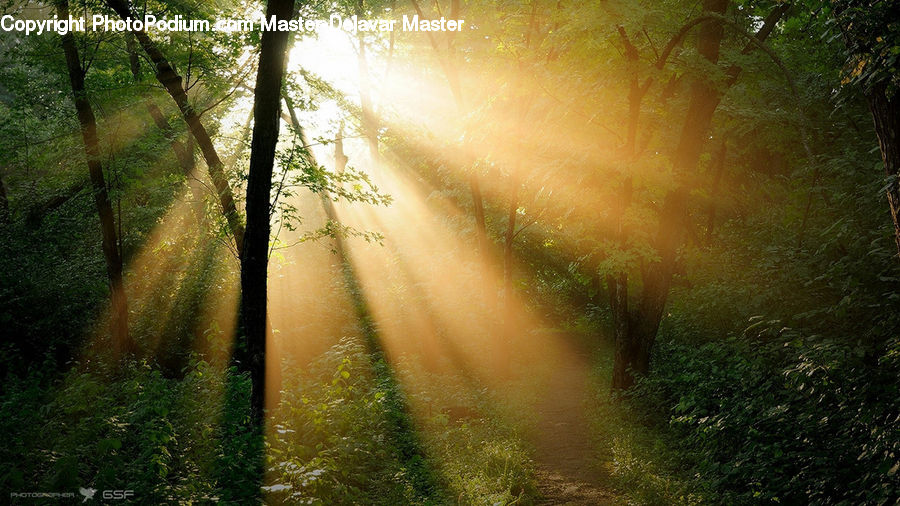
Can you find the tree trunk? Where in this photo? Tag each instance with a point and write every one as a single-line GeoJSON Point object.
{"type": "Point", "coordinates": [340, 159]}
{"type": "Point", "coordinates": [635, 341]}
{"type": "Point", "coordinates": [340, 165]}
{"type": "Point", "coordinates": [617, 283]}
{"type": "Point", "coordinates": [171, 81]}
{"type": "Point", "coordinates": [36, 215]}
{"type": "Point", "coordinates": [182, 154]}
{"type": "Point", "coordinates": [886, 115]}
{"type": "Point", "coordinates": [134, 62]}
{"type": "Point", "coordinates": [251, 354]}
{"type": "Point", "coordinates": [514, 177]}
{"type": "Point", "coordinates": [511, 210]}
{"type": "Point", "coordinates": [184, 158]}
{"type": "Point", "coordinates": [478, 204]}
{"type": "Point", "coordinates": [884, 104]}
{"type": "Point", "coordinates": [121, 341]}
{"type": "Point", "coordinates": [638, 332]}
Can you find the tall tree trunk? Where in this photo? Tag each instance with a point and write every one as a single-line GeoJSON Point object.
{"type": "Point", "coordinates": [134, 61]}
{"type": "Point", "coordinates": [251, 353]}
{"type": "Point", "coordinates": [886, 115]}
{"type": "Point", "coordinates": [184, 158]}
{"type": "Point", "coordinates": [639, 329]}
{"type": "Point", "coordinates": [633, 348]}
{"type": "Point", "coordinates": [172, 82]}
{"type": "Point", "coordinates": [181, 150]}
{"type": "Point", "coordinates": [122, 344]}
{"type": "Point", "coordinates": [859, 35]}
{"type": "Point", "coordinates": [37, 213]}
{"type": "Point", "coordinates": [514, 177]}
{"type": "Point", "coordinates": [509, 240]}
{"type": "Point", "coordinates": [617, 283]}
{"type": "Point", "coordinates": [340, 159]}
{"type": "Point", "coordinates": [340, 164]}
{"type": "Point", "coordinates": [478, 210]}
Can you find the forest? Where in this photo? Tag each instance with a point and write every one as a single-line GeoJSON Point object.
{"type": "Point", "coordinates": [450, 252]}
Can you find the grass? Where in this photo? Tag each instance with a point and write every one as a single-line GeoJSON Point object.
{"type": "Point", "coordinates": [635, 451]}
{"type": "Point", "coordinates": [166, 438]}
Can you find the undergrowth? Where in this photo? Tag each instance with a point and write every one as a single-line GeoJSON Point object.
{"type": "Point", "coordinates": [638, 458]}
{"type": "Point", "coordinates": [178, 440]}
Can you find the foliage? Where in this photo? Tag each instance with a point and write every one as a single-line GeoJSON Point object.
{"type": "Point", "coordinates": [638, 457]}
{"type": "Point", "coordinates": [333, 443]}
{"type": "Point", "coordinates": [872, 33]}
{"type": "Point", "coordinates": [300, 172]}
{"type": "Point", "coordinates": [775, 417]}
{"type": "Point", "coordinates": [159, 436]}
{"type": "Point", "coordinates": [786, 227]}
{"type": "Point", "coordinates": [182, 440]}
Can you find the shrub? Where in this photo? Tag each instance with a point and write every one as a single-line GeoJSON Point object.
{"type": "Point", "coordinates": [774, 417]}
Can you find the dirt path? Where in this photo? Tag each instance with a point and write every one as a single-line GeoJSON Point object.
{"type": "Point", "coordinates": [566, 472]}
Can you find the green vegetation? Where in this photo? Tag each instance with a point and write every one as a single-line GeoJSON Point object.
{"type": "Point", "coordinates": [603, 252]}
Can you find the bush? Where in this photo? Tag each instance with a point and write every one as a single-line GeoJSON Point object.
{"type": "Point", "coordinates": [774, 417]}
{"type": "Point", "coordinates": [333, 443]}
{"type": "Point", "coordinates": [161, 438]}
{"type": "Point", "coordinates": [345, 436]}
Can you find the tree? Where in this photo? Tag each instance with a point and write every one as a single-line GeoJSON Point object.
{"type": "Point", "coordinates": [112, 253]}
{"type": "Point", "coordinates": [636, 329]}
{"type": "Point", "coordinates": [451, 72]}
{"type": "Point", "coordinates": [183, 152]}
{"type": "Point", "coordinates": [253, 318]}
{"type": "Point", "coordinates": [871, 31]}
{"type": "Point", "coordinates": [172, 82]}
{"type": "Point", "coordinates": [369, 117]}
{"type": "Point", "coordinates": [515, 178]}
